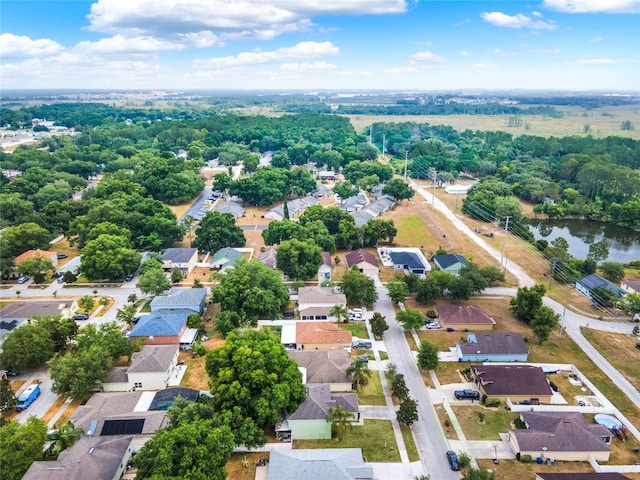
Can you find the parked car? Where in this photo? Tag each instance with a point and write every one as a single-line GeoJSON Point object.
{"type": "Point", "coordinates": [430, 325]}
{"type": "Point", "coordinates": [453, 460]}
{"type": "Point", "coordinates": [362, 358]}
{"type": "Point", "coordinates": [129, 277]}
{"type": "Point", "coordinates": [23, 279]}
{"type": "Point", "coordinates": [638, 345]}
{"type": "Point", "coordinates": [466, 394]}
{"type": "Point", "coordinates": [60, 279]}
{"type": "Point", "coordinates": [81, 316]}
{"type": "Point", "coordinates": [361, 345]}
{"type": "Point", "coordinates": [61, 256]}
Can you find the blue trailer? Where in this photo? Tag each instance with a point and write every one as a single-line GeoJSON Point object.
{"type": "Point", "coordinates": [27, 397]}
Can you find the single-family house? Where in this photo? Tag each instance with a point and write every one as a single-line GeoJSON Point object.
{"type": "Point", "coordinates": [492, 347]}
{"type": "Point", "coordinates": [18, 313]}
{"type": "Point", "coordinates": [159, 329]}
{"type": "Point", "coordinates": [631, 285]}
{"type": "Point", "coordinates": [325, 268]}
{"type": "Point", "coordinates": [354, 203]}
{"type": "Point", "coordinates": [564, 436]}
{"type": "Point", "coordinates": [379, 206]}
{"type": "Point", "coordinates": [324, 366]}
{"type": "Point", "coordinates": [295, 207]}
{"type": "Point", "coordinates": [315, 303]}
{"type": "Point", "coordinates": [377, 190]}
{"type": "Point", "coordinates": [309, 421]}
{"type": "Point", "coordinates": [225, 258]}
{"type": "Point", "coordinates": [73, 266]}
{"type": "Point", "coordinates": [180, 298]}
{"type": "Point", "coordinates": [319, 464]}
{"type": "Point", "coordinates": [326, 175]}
{"type": "Point", "coordinates": [322, 336]}
{"type": "Point", "coordinates": [365, 261]}
{"type": "Point", "coordinates": [408, 262]}
{"type": "Point", "coordinates": [580, 476]}
{"type": "Point", "coordinates": [183, 258]}
{"type": "Point", "coordinates": [98, 458]}
{"type": "Point", "coordinates": [230, 206]}
{"type": "Point", "coordinates": [150, 369]}
{"type": "Point", "coordinates": [361, 217]}
{"type": "Point", "coordinates": [268, 257]}
{"type": "Point", "coordinates": [31, 254]}
{"type": "Point", "coordinates": [519, 383]}
{"type": "Point", "coordinates": [449, 262]}
{"type": "Point", "coordinates": [586, 285]}
{"type": "Point", "coordinates": [464, 317]}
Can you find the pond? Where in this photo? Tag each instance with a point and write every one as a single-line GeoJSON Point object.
{"type": "Point", "coordinates": [624, 243]}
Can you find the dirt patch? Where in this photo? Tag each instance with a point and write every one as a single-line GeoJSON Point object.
{"type": "Point", "coordinates": [242, 466]}
{"type": "Point", "coordinates": [53, 409]}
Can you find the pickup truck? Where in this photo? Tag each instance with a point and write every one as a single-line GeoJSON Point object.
{"type": "Point", "coordinates": [466, 395]}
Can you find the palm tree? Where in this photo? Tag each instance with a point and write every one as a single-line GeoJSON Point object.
{"type": "Point", "coordinates": [65, 436]}
{"type": "Point", "coordinates": [359, 371]}
{"type": "Point", "coordinates": [340, 312]}
{"type": "Point", "coordinates": [339, 419]}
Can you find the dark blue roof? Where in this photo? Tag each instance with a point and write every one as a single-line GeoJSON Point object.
{"type": "Point", "coordinates": [178, 255]}
{"type": "Point", "coordinates": [449, 259]}
{"type": "Point", "coordinates": [409, 259]}
{"type": "Point", "coordinates": [592, 281]}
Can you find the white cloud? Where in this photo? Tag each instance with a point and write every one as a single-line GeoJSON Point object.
{"type": "Point", "coordinates": [605, 61]}
{"type": "Point", "coordinates": [20, 46]}
{"type": "Point", "coordinates": [545, 51]}
{"type": "Point", "coordinates": [595, 39]}
{"type": "Point", "coordinates": [306, 67]}
{"type": "Point", "coordinates": [301, 50]}
{"type": "Point", "coordinates": [502, 53]}
{"type": "Point", "coordinates": [119, 44]}
{"type": "Point", "coordinates": [593, 6]}
{"type": "Point", "coordinates": [459, 24]}
{"type": "Point", "coordinates": [536, 14]}
{"type": "Point", "coordinates": [464, 53]}
{"type": "Point", "coordinates": [500, 19]}
{"type": "Point", "coordinates": [426, 57]}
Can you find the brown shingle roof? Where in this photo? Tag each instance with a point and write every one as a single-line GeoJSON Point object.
{"type": "Point", "coordinates": [463, 314]}
{"type": "Point", "coordinates": [322, 295]}
{"type": "Point", "coordinates": [359, 256]}
{"type": "Point", "coordinates": [323, 366]}
{"type": "Point", "coordinates": [322, 333]}
{"type": "Point", "coordinates": [508, 380]}
{"type": "Point", "coordinates": [560, 432]}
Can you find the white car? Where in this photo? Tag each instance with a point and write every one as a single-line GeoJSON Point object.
{"type": "Point", "coordinates": [432, 325]}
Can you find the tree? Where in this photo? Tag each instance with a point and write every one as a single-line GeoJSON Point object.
{"type": "Point", "coordinates": [26, 347]}
{"type": "Point", "coordinates": [599, 251]}
{"type": "Point", "coordinates": [153, 282]}
{"type": "Point", "coordinates": [108, 257]}
{"type": "Point", "coordinates": [176, 275]}
{"type": "Point", "coordinates": [378, 325]}
{"type": "Point", "coordinates": [35, 267]}
{"type": "Point", "coordinates": [345, 190]}
{"type": "Point", "coordinates": [339, 419]}
{"type": "Point", "coordinates": [61, 330]}
{"type": "Point", "coordinates": [398, 290]}
{"type": "Point", "coordinates": [358, 287]}
{"type": "Point", "coordinates": [195, 321]}
{"type": "Point", "coordinates": [251, 289]}
{"type": "Point", "coordinates": [253, 372]}
{"type": "Point", "coordinates": [126, 314]}
{"type": "Point", "coordinates": [410, 318]}
{"type": "Point", "coordinates": [527, 301]}
{"type": "Point", "coordinates": [63, 437]}
{"type": "Point", "coordinates": [543, 322]}
{"type": "Point", "coordinates": [340, 312]}
{"type": "Point", "coordinates": [227, 321]}
{"type": "Point", "coordinates": [399, 387]}
{"type": "Point", "coordinates": [8, 400]}
{"type": "Point", "coordinates": [25, 442]}
{"type": "Point", "coordinates": [297, 259]}
{"type": "Point", "coordinates": [477, 474]}
{"type": "Point", "coordinates": [218, 230]}
{"type": "Point", "coordinates": [407, 414]}
{"type": "Point", "coordinates": [428, 355]}
{"type": "Point", "coordinates": [194, 450]}
{"type": "Point", "coordinates": [77, 374]}
{"type": "Point", "coordinates": [612, 271]}
{"type": "Point", "coordinates": [86, 303]}
{"type": "Point", "coordinates": [359, 372]}
{"type": "Point", "coordinates": [26, 236]}
{"type": "Point", "coordinates": [106, 335]}
{"type": "Point", "coordinates": [398, 189]}
{"type": "Point", "coordinates": [630, 303]}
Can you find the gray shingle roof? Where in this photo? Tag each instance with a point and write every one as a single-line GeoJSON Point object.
{"type": "Point", "coordinates": [319, 464]}
{"type": "Point", "coordinates": [320, 399]}
{"type": "Point", "coordinates": [29, 309]}
{"type": "Point", "coordinates": [494, 343]}
{"type": "Point", "coordinates": [234, 208]}
{"type": "Point", "coordinates": [448, 260]}
{"type": "Point", "coordinates": [180, 297]}
{"type": "Point", "coordinates": [323, 366]}
{"type": "Point", "coordinates": [179, 255]}
{"type": "Point", "coordinates": [152, 359]}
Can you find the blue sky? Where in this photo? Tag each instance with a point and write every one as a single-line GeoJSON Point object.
{"type": "Point", "coordinates": [321, 44]}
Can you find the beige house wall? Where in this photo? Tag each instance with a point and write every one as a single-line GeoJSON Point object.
{"type": "Point", "coordinates": [545, 399]}
{"type": "Point", "coordinates": [482, 327]}
{"type": "Point", "coordinates": [324, 346]}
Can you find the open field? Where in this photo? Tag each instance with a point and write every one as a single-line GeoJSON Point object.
{"type": "Point", "coordinates": [619, 350]}
{"type": "Point", "coordinates": [375, 438]}
{"type": "Point", "coordinates": [603, 122]}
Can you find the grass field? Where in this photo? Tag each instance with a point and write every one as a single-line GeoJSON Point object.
{"type": "Point", "coordinates": [495, 421]}
{"type": "Point", "coordinates": [372, 393]}
{"type": "Point", "coordinates": [619, 350]}
{"type": "Point", "coordinates": [375, 438]}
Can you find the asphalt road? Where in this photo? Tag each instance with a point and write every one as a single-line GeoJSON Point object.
{"type": "Point", "coordinates": [427, 431]}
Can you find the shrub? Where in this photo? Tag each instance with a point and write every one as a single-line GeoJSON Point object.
{"type": "Point", "coordinates": [519, 423]}
{"type": "Point", "coordinates": [483, 400]}
{"type": "Point", "coordinates": [432, 314]}
{"type": "Point", "coordinates": [447, 423]}
{"type": "Point", "coordinates": [464, 460]}
{"type": "Point", "coordinates": [492, 402]}
{"type": "Point", "coordinates": [525, 458]}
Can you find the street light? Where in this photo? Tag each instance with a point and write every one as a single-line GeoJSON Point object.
{"type": "Point", "coordinates": [495, 458]}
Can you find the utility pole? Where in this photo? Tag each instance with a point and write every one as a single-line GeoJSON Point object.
{"type": "Point", "coordinates": [562, 321]}
{"type": "Point", "coordinates": [503, 264]}
{"type": "Point", "coordinates": [406, 159]}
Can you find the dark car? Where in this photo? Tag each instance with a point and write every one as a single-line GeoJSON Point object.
{"type": "Point", "coordinates": [638, 345]}
{"type": "Point", "coordinates": [362, 358]}
{"type": "Point", "coordinates": [61, 255]}
{"type": "Point", "coordinates": [453, 460]}
{"type": "Point", "coordinates": [81, 316]}
{"type": "Point", "coordinates": [128, 278]}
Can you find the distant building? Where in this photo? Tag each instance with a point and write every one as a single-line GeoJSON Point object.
{"type": "Point", "coordinates": [183, 258]}
{"type": "Point", "coordinates": [365, 262]}
{"type": "Point", "coordinates": [586, 285]}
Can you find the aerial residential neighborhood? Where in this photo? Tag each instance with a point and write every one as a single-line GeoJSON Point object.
{"type": "Point", "coordinates": [306, 240]}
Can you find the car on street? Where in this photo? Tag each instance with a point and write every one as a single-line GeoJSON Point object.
{"type": "Point", "coordinates": [452, 457]}
{"type": "Point", "coordinates": [129, 277]}
{"type": "Point", "coordinates": [23, 279]}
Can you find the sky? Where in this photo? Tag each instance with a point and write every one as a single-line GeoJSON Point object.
{"type": "Point", "coordinates": [580, 45]}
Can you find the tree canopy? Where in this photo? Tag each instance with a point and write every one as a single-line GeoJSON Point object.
{"type": "Point", "coordinates": [218, 230]}
{"type": "Point", "coordinates": [25, 442]}
{"type": "Point", "coordinates": [358, 287]}
{"type": "Point", "coordinates": [297, 259]}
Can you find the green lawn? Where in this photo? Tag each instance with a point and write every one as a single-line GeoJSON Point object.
{"type": "Point", "coordinates": [495, 421]}
{"type": "Point", "coordinates": [146, 308]}
{"type": "Point", "coordinates": [411, 231]}
{"type": "Point", "coordinates": [409, 443]}
{"type": "Point", "coordinates": [372, 394]}
{"type": "Point", "coordinates": [357, 329]}
{"type": "Point", "coordinates": [375, 438]}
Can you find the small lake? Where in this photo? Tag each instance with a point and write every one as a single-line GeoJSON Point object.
{"type": "Point", "coordinates": [624, 244]}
